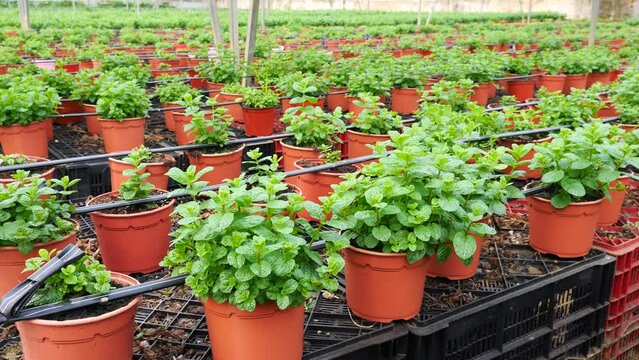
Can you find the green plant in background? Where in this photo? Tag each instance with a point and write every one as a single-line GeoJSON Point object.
{"type": "Point", "coordinates": [118, 60]}
{"type": "Point", "coordinates": [174, 90]}
{"type": "Point", "coordinates": [338, 72]}
{"type": "Point", "coordinates": [375, 119]}
{"type": "Point", "coordinates": [88, 86]}
{"type": "Point", "coordinates": [223, 70]}
{"type": "Point", "coordinates": [369, 81]}
{"type": "Point", "coordinates": [233, 89]}
{"type": "Point", "coordinates": [119, 100]}
{"type": "Point", "coordinates": [578, 165]}
{"type": "Point", "coordinates": [454, 93]}
{"type": "Point", "coordinates": [213, 130]}
{"type": "Point", "coordinates": [190, 103]}
{"type": "Point", "coordinates": [312, 127]}
{"type": "Point", "coordinates": [64, 83]}
{"type": "Point", "coordinates": [329, 154]}
{"type": "Point", "coordinates": [260, 98]}
{"type": "Point", "coordinates": [27, 101]}
{"type": "Point", "coordinates": [624, 95]}
{"type": "Point", "coordinates": [574, 109]}
{"type": "Point", "coordinates": [35, 211]}
{"type": "Point", "coordinates": [85, 276]}
{"type": "Point", "coordinates": [303, 87]}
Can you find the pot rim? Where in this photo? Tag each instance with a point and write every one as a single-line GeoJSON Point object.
{"type": "Point", "coordinates": [220, 154]}
{"type": "Point", "coordinates": [301, 148]}
{"type": "Point", "coordinates": [75, 232]}
{"type": "Point", "coordinates": [41, 160]}
{"type": "Point", "coordinates": [326, 172]}
{"type": "Point", "coordinates": [517, 140]}
{"type": "Point", "coordinates": [32, 123]}
{"type": "Point", "coordinates": [123, 120]}
{"type": "Point", "coordinates": [251, 108]}
{"type": "Point", "coordinates": [121, 216]}
{"type": "Point", "coordinates": [376, 253]}
{"type": "Point", "coordinates": [147, 164]}
{"type": "Point", "coordinates": [110, 314]}
{"type": "Point", "coordinates": [371, 135]}
{"type": "Point", "coordinates": [585, 203]}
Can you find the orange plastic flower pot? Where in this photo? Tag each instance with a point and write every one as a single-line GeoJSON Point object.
{"type": "Point", "coordinates": [274, 334]}
{"type": "Point", "coordinates": [355, 110]}
{"type": "Point", "coordinates": [214, 87]}
{"type": "Point", "coordinates": [93, 124]}
{"type": "Point", "coordinates": [122, 135]}
{"type": "Point", "coordinates": [133, 243]}
{"type": "Point", "coordinates": [383, 287]}
{"type": "Point", "coordinates": [286, 104]}
{"type": "Point", "coordinates": [481, 93]}
{"type": "Point", "coordinates": [291, 153]}
{"type": "Point", "coordinates": [105, 337]}
{"type": "Point", "coordinates": [49, 126]}
{"type": "Point", "coordinates": [530, 174]}
{"type": "Point", "coordinates": [521, 89]}
{"type": "Point", "coordinates": [452, 268]}
{"type": "Point", "coordinates": [611, 209]}
{"type": "Point", "coordinates": [48, 174]}
{"type": "Point", "coordinates": [157, 171]}
{"type": "Point", "coordinates": [357, 143]}
{"type": "Point", "coordinates": [629, 127]}
{"type": "Point", "coordinates": [12, 261]}
{"type": "Point", "coordinates": [235, 110]}
{"type": "Point", "coordinates": [577, 81]}
{"type": "Point", "coordinates": [30, 140]}
{"type": "Point", "coordinates": [69, 107]}
{"type": "Point", "coordinates": [258, 122]}
{"type": "Point", "coordinates": [554, 83]}
{"type": "Point", "coordinates": [595, 77]}
{"type": "Point", "coordinates": [182, 137]}
{"type": "Point", "coordinates": [225, 165]}
{"type": "Point", "coordinates": [567, 232]}
{"type": "Point", "coordinates": [169, 121]}
{"type": "Point", "coordinates": [335, 100]}
{"type": "Point", "coordinates": [405, 101]}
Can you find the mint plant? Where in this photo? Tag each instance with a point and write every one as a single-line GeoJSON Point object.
{"type": "Point", "coordinates": [454, 93]}
{"type": "Point", "coordinates": [136, 186]}
{"type": "Point", "coordinates": [174, 90]}
{"type": "Point", "coordinates": [624, 95]}
{"type": "Point", "coordinates": [26, 102]}
{"type": "Point", "coordinates": [86, 276]}
{"type": "Point", "coordinates": [261, 98]}
{"type": "Point", "coordinates": [119, 100]}
{"type": "Point", "coordinates": [578, 165]}
{"type": "Point", "coordinates": [375, 119]}
{"type": "Point", "coordinates": [211, 131]}
{"type": "Point", "coordinates": [34, 211]}
{"type": "Point", "coordinates": [246, 246]}
{"type": "Point", "coordinates": [224, 70]}
{"type": "Point", "coordinates": [312, 127]}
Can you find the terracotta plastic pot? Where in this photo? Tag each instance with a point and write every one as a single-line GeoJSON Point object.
{"type": "Point", "coordinates": [355, 110]}
{"type": "Point", "coordinates": [85, 65]}
{"type": "Point", "coordinates": [157, 171]}
{"type": "Point", "coordinates": [258, 122]}
{"type": "Point", "coordinates": [122, 135]}
{"type": "Point", "coordinates": [235, 110]}
{"type": "Point", "coordinates": [105, 337]}
{"type": "Point", "coordinates": [452, 268]}
{"type": "Point", "coordinates": [521, 89]}
{"type": "Point", "coordinates": [609, 110]}
{"type": "Point", "coordinates": [405, 101]}
{"type": "Point", "coordinates": [49, 126]}
{"type": "Point", "coordinates": [225, 165]}
{"type": "Point", "coordinates": [595, 77]}
{"type": "Point", "coordinates": [133, 243]}
{"type": "Point", "coordinates": [155, 64]}
{"type": "Point", "coordinates": [169, 121]}
{"type": "Point", "coordinates": [577, 81]}
{"type": "Point", "coordinates": [530, 174]}
{"type": "Point", "coordinates": [629, 127]}
{"type": "Point", "coordinates": [182, 137]}
{"type": "Point", "coordinates": [71, 68]}
{"type": "Point", "coordinates": [214, 87]}
{"type": "Point", "coordinates": [48, 174]}
{"type": "Point", "coordinates": [611, 209]}
{"type": "Point", "coordinates": [554, 83]}
{"type": "Point", "coordinates": [357, 143]}
{"type": "Point", "coordinates": [372, 276]}
{"type": "Point", "coordinates": [286, 104]}
{"type": "Point", "coordinates": [291, 153]}
{"type": "Point", "coordinates": [275, 334]}
{"type": "Point", "coordinates": [30, 140]}
{"type": "Point", "coordinates": [12, 261]}
{"type": "Point", "coordinates": [69, 107]}
{"type": "Point", "coordinates": [567, 232]}
{"type": "Point", "coordinates": [335, 100]}
{"type": "Point", "coordinates": [93, 124]}
{"type": "Point", "coordinates": [480, 94]}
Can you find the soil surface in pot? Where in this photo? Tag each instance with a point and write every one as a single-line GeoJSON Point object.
{"type": "Point", "coordinates": [131, 209]}
{"type": "Point", "coordinates": [214, 150]}
{"type": "Point", "coordinates": [9, 174]}
{"type": "Point", "coordinates": [548, 194]}
{"type": "Point", "coordinates": [344, 169]}
{"type": "Point", "coordinates": [93, 310]}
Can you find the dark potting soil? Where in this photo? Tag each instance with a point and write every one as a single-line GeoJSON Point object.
{"type": "Point", "coordinates": [530, 137]}
{"type": "Point", "coordinates": [9, 174]}
{"type": "Point", "coordinates": [344, 169]}
{"type": "Point", "coordinates": [162, 158]}
{"type": "Point", "coordinates": [214, 150]}
{"type": "Point", "coordinates": [130, 209]}
{"type": "Point", "coordinates": [93, 310]}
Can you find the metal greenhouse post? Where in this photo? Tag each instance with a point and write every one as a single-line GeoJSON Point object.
{"type": "Point", "coordinates": [233, 29]}
{"type": "Point", "coordinates": [23, 8]}
{"type": "Point", "coordinates": [419, 15]}
{"type": "Point", "coordinates": [529, 11]}
{"type": "Point", "coordinates": [215, 23]}
{"type": "Point", "coordinates": [251, 34]}
{"type": "Point", "coordinates": [593, 22]}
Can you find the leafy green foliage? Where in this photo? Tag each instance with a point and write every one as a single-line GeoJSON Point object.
{"type": "Point", "coordinates": [299, 85]}
{"type": "Point", "coordinates": [624, 94]}
{"type": "Point", "coordinates": [33, 210]}
{"type": "Point", "coordinates": [312, 127]}
{"type": "Point", "coordinates": [375, 119]}
{"type": "Point", "coordinates": [119, 100]}
{"type": "Point", "coordinates": [579, 165]}
{"type": "Point", "coordinates": [574, 109]}
{"type": "Point", "coordinates": [136, 186]}
{"type": "Point", "coordinates": [261, 98]}
{"type": "Point", "coordinates": [174, 90]}
{"type": "Point", "coordinates": [454, 93]}
{"type": "Point", "coordinates": [246, 246]}
{"type": "Point", "coordinates": [88, 86]}
{"type": "Point", "coordinates": [84, 277]}
{"type": "Point", "coordinates": [63, 82]}
{"type": "Point", "coordinates": [223, 70]}
{"type": "Point", "coordinates": [213, 129]}
{"type": "Point", "coordinates": [27, 101]}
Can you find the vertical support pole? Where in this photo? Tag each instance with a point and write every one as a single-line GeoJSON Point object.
{"type": "Point", "coordinates": [529, 11]}
{"type": "Point", "coordinates": [215, 23]}
{"type": "Point", "coordinates": [419, 15]}
{"type": "Point", "coordinates": [368, 5]}
{"type": "Point", "coordinates": [431, 9]}
{"type": "Point", "coordinates": [251, 35]}
{"type": "Point", "coordinates": [594, 15]}
{"type": "Point", "coordinates": [73, 4]}
{"type": "Point", "coordinates": [137, 8]}
{"type": "Point", "coordinates": [23, 8]}
{"type": "Point", "coordinates": [263, 5]}
{"type": "Point", "coordinates": [233, 29]}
